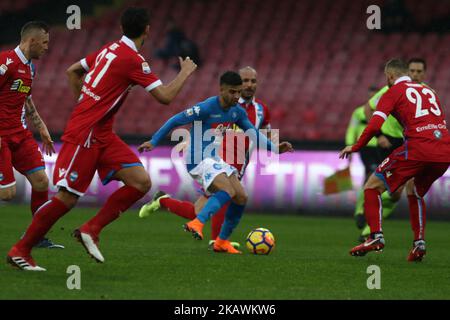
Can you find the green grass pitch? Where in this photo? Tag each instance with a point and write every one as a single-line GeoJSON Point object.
{"type": "Point", "coordinates": [154, 259]}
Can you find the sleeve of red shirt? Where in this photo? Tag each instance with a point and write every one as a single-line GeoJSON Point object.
{"type": "Point", "coordinates": [89, 60]}
{"type": "Point", "coordinates": [384, 108]}
{"type": "Point", "coordinates": [142, 75]}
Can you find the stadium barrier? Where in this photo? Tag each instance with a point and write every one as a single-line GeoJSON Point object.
{"type": "Point", "coordinates": [295, 184]}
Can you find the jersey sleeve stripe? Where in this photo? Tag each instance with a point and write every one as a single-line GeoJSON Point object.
{"type": "Point", "coordinates": [84, 64]}
{"type": "Point", "coordinates": [153, 85]}
{"type": "Point", "coordinates": [381, 114]}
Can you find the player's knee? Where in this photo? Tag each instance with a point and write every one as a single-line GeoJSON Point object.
{"type": "Point", "coordinates": [240, 198]}
{"type": "Point", "coordinates": [143, 183]}
{"type": "Point", "coordinates": [7, 194]}
{"type": "Point", "coordinates": [231, 192]}
{"type": "Point", "coordinates": [69, 199]}
{"type": "Point", "coordinates": [40, 183]}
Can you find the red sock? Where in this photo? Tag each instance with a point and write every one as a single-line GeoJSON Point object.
{"type": "Point", "coordinates": [217, 221]}
{"type": "Point", "coordinates": [38, 198]}
{"type": "Point", "coordinates": [373, 209]}
{"type": "Point", "coordinates": [44, 218]}
{"type": "Point", "coordinates": [184, 209]}
{"type": "Point", "coordinates": [417, 215]}
{"type": "Point", "coordinates": [117, 203]}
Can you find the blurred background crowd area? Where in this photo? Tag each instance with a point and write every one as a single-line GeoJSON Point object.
{"type": "Point", "coordinates": [315, 58]}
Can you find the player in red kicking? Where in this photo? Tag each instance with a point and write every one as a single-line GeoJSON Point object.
{"type": "Point", "coordinates": [424, 156]}
{"type": "Point", "coordinates": [89, 142]}
{"type": "Point", "coordinates": [259, 116]}
{"type": "Point", "coordinates": [18, 149]}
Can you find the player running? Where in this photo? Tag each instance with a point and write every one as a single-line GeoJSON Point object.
{"type": "Point", "coordinates": [219, 179]}
{"type": "Point", "coordinates": [424, 156]}
{"type": "Point", "coordinates": [90, 144]}
{"type": "Point", "coordinates": [390, 138]}
{"type": "Point", "coordinates": [18, 149]}
{"type": "Point", "coordinates": [259, 116]}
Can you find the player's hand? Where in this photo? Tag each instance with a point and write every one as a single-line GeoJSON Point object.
{"type": "Point", "coordinates": [146, 146]}
{"type": "Point", "coordinates": [47, 142]}
{"type": "Point", "coordinates": [285, 147]}
{"type": "Point", "coordinates": [346, 152]}
{"type": "Point", "coordinates": [187, 65]}
{"type": "Point", "coordinates": [383, 142]}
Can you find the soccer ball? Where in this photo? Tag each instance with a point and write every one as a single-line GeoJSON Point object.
{"type": "Point", "coordinates": [260, 241]}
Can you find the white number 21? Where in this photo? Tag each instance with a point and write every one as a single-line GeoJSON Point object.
{"type": "Point", "coordinates": [110, 57]}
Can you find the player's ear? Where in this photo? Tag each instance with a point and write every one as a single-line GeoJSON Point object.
{"type": "Point", "coordinates": [147, 30]}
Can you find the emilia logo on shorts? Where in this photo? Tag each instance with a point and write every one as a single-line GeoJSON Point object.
{"type": "Point", "coordinates": [217, 166]}
{"type": "Point", "coordinates": [73, 176]}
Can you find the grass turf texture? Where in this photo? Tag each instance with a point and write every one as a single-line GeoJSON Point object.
{"type": "Point", "coordinates": [154, 259]}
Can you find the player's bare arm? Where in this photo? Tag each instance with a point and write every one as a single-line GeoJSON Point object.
{"type": "Point", "coordinates": [38, 123]}
{"type": "Point", "coordinates": [166, 93]}
{"type": "Point", "coordinates": [368, 111]}
{"type": "Point", "coordinates": [146, 146]}
{"type": "Point", "coordinates": [75, 75]}
{"type": "Point", "coordinates": [285, 147]}
{"type": "Point", "coordinates": [346, 152]}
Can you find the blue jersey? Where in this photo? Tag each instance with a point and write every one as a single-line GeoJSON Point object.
{"type": "Point", "coordinates": [210, 122]}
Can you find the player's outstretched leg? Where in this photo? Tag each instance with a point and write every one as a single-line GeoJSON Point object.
{"type": "Point", "coordinates": [213, 205]}
{"type": "Point", "coordinates": [137, 183]}
{"type": "Point", "coordinates": [417, 213]}
{"type": "Point", "coordinates": [39, 195]}
{"type": "Point", "coordinates": [153, 205]}
{"type": "Point", "coordinates": [373, 211]}
{"type": "Point", "coordinates": [232, 218]}
{"type": "Point", "coordinates": [45, 217]}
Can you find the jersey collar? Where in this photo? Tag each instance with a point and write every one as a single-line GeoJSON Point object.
{"type": "Point", "coordinates": [21, 55]}
{"type": "Point", "coordinates": [401, 79]}
{"type": "Point", "coordinates": [242, 101]}
{"type": "Point", "coordinates": [129, 42]}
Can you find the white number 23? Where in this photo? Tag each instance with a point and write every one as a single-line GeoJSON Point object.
{"type": "Point", "coordinates": [414, 97]}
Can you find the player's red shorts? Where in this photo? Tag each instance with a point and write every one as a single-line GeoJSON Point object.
{"type": "Point", "coordinates": [19, 151]}
{"type": "Point", "coordinates": [396, 170]}
{"type": "Point", "coordinates": [76, 165]}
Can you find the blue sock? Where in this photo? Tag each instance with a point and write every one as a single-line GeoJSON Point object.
{"type": "Point", "coordinates": [214, 203]}
{"type": "Point", "coordinates": [232, 218]}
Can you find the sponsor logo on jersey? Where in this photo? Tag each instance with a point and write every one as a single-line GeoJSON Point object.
{"type": "Point", "coordinates": [215, 115]}
{"type": "Point", "coordinates": [196, 109]}
{"type": "Point", "coordinates": [388, 174]}
{"type": "Point", "coordinates": [146, 68]}
{"type": "Point", "coordinates": [90, 93]}
{"type": "Point", "coordinates": [21, 71]}
{"type": "Point", "coordinates": [18, 86]}
{"type": "Point", "coordinates": [234, 115]}
{"type": "Point", "coordinates": [73, 176]}
{"type": "Point", "coordinates": [9, 61]}
{"type": "Point", "coordinates": [437, 134]}
{"type": "Point", "coordinates": [3, 69]}
{"type": "Point", "coordinates": [62, 172]}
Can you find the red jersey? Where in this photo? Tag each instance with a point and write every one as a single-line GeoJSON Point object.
{"type": "Point", "coordinates": [259, 116]}
{"type": "Point", "coordinates": [16, 77]}
{"type": "Point", "coordinates": [112, 71]}
{"type": "Point", "coordinates": [418, 109]}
